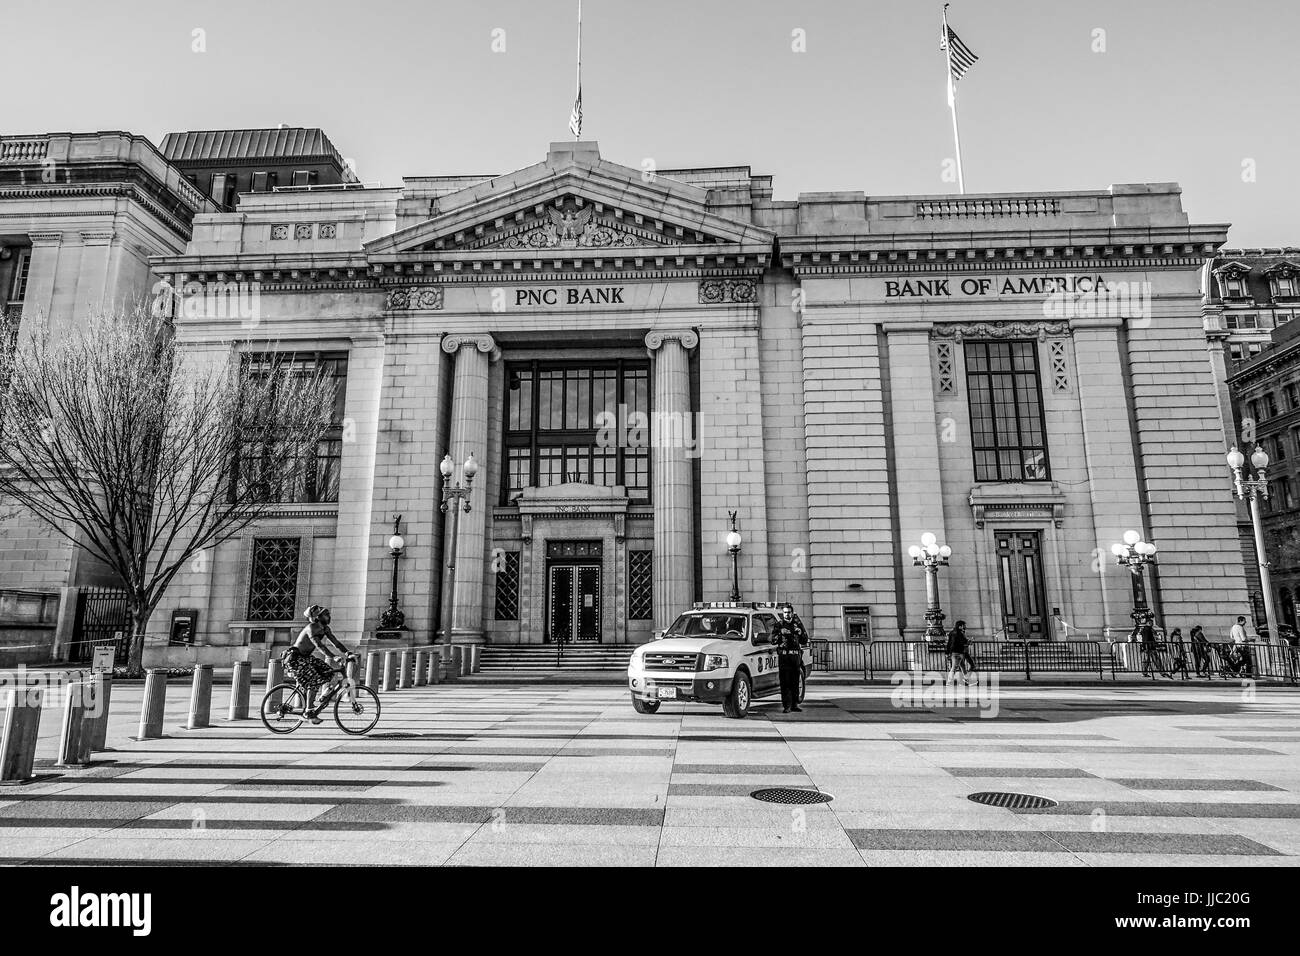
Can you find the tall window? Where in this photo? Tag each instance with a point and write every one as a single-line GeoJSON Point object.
{"type": "Point", "coordinates": [316, 478]}
{"type": "Point", "coordinates": [640, 585]}
{"type": "Point", "coordinates": [18, 287]}
{"type": "Point", "coordinates": [273, 583]}
{"type": "Point", "coordinates": [507, 581]}
{"type": "Point", "coordinates": [1006, 411]}
{"type": "Point", "coordinates": [577, 423]}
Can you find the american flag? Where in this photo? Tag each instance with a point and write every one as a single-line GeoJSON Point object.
{"type": "Point", "coordinates": [575, 118]}
{"type": "Point", "coordinates": [960, 57]}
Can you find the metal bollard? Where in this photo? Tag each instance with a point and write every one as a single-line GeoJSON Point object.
{"type": "Point", "coordinates": [475, 653]}
{"type": "Point", "coordinates": [421, 668]}
{"type": "Point", "coordinates": [200, 698]}
{"type": "Point", "coordinates": [435, 666]}
{"type": "Point", "coordinates": [241, 682]}
{"type": "Point", "coordinates": [74, 734]}
{"type": "Point", "coordinates": [452, 661]}
{"type": "Point", "coordinates": [350, 670]}
{"type": "Point", "coordinates": [466, 658]}
{"type": "Point", "coordinates": [373, 671]}
{"type": "Point", "coordinates": [18, 737]}
{"type": "Point", "coordinates": [274, 675]}
{"type": "Point", "coordinates": [102, 698]}
{"type": "Point", "coordinates": [404, 669]}
{"type": "Point", "coordinates": [155, 700]}
{"type": "Point", "coordinates": [390, 670]}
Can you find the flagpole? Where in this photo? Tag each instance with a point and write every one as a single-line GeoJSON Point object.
{"type": "Point", "coordinates": [578, 93]}
{"type": "Point", "coordinates": [952, 102]}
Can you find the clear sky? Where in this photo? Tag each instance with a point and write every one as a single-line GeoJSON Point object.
{"type": "Point", "coordinates": [1173, 90]}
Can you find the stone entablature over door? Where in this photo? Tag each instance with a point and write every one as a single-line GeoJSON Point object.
{"type": "Point", "coordinates": [569, 512]}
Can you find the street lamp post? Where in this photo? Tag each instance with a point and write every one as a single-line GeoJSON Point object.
{"type": "Point", "coordinates": [393, 619]}
{"type": "Point", "coordinates": [1135, 554]}
{"type": "Point", "coordinates": [733, 548]}
{"type": "Point", "coordinates": [931, 555]}
{"type": "Point", "coordinates": [1256, 488]}
{"type": "Point", "coordinates": [459, 493]}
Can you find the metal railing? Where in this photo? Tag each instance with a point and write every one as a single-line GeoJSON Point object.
{"type": "Point", "coordinates": [890, 656]}
{"type": "Point", "coordinates": [1220, 659]}
{"type": "Point", "coordinates": [1059, 657]}
{"type": "Point", "coordinates": [839, 655]}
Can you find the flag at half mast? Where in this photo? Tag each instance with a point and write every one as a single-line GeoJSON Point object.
{"type": "Point", "coordinates": [575, 117]}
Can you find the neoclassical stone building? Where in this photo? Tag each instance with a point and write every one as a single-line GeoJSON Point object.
{"type": "Point", "coordinates": [631, 356]}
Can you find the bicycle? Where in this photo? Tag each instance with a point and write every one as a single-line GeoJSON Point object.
{"type": "Point", "coordinates": [353, 702]}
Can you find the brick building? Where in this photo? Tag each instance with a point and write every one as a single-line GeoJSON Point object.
{"type": "Point", "coordinates": [1251, 299]}
{"type": "Point", "coordinates": [632, 356]}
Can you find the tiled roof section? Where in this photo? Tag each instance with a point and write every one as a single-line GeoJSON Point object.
{"type": "Point", "coordinates": [293, 142]}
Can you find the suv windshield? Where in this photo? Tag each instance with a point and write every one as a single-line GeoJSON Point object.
{"type": "Point", "coordinates": [729, 627]}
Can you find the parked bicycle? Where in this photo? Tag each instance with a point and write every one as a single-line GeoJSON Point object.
{"type": "Point", "coordinates": [356, 706]}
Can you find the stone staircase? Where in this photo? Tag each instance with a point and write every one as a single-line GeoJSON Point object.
{"type": "Point", "coordinates": [542, 657]}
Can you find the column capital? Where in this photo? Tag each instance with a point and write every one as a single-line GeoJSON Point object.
{"type": "Point", "coordinates": [452, 342]}
{"type": "Point", "coordinates": [45, 238]}
{"type": "Point", "coordinates": [655, 338]}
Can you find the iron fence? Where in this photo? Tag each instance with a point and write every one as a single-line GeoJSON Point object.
{"type": "Point", "coordinates": [1023, 656]}
{"type": "Point", "coordinates": [1185, 660]}
{"type": "Point", "coordinates": [839, 655]}
{"type": "Point", "coordinates": [890, 656]}
{"type": "Point", "coordinates": [102, 620]}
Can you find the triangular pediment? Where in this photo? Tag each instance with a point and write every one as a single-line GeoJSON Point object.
{"type": "Point", "coordinates": [574, 202]}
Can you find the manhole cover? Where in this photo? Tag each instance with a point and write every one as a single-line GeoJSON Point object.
{"type": "Point", "coordinates": [1012, 801]}
{"type": "Point", "coordinates": [791, 795]}
{"type": "Point", "coordinates": [392, 735]}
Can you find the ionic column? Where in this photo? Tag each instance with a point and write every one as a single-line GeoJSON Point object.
{"type": "Point", "coordinates": [469, 433]}
{"type": "Point", "coordinates": [674, 564]}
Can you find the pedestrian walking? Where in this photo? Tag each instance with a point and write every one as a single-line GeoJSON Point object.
{"type": "Point", "coordinates": [1147, 634]}
{"type": "Point", "coordinates": [1241, 646]}
{"type": "Point", "coordinates": [1177, 652]}
{"type": "Point", "coordinates": [958, 656]}
{"type": "Point", "coordinates": [789, 636]}
{"type": "Point", "coordinates": [1200, 651]}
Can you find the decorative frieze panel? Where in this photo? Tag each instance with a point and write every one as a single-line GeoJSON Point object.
{"type": "Point", "coordinates": [1060, 367]}
{"type": "Point", "coordinates": [415, 298]}
{"type": "Point", "coordinates": [725, 291]}
{"type": "Point", "coordinates": [944, 374]}
{"type": "Point", "coordinates": [572, 223]}
{"type": "Point", "coordinates": [999, 330]}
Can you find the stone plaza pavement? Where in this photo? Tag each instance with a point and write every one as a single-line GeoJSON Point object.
{"type": "Point", "coordinates": [554, 774]}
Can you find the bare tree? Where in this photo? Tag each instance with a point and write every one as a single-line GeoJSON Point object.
{"type": "Point", "coordinates": [146, 455]}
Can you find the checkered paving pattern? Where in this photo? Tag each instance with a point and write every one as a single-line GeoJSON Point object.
{"type": "Point", "coordinates": [475, 773]}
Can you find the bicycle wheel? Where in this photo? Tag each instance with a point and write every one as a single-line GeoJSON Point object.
{"type": "Point", "coordinates": [357, 713]}
{"type": "Point", "coordinates": [286, 716]}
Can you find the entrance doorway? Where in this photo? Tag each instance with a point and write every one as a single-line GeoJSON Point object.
{"type": "Point", "coordinates": [1020, 574]}
{"type": "Point", "coordinates": [575, 603]}
{"type": "Point", "coordinates": [573, 591]}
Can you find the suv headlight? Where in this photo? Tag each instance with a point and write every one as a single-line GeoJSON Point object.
{"type": "Point", "coordinates": [716, 662]}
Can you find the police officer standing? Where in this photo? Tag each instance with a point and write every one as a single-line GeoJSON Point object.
{"type": "Point", "coordinates": [789, 637]}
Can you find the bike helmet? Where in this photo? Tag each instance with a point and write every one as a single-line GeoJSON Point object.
{"type": "Point", "coordinates": [315, 611]}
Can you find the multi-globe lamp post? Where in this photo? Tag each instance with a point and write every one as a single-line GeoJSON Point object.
{"type": "Point", "coordinates": [1254, 489]}
{"type": "Point", "coordinates": [932, 556]}
{"type": "Point", "coordinates": [459, 493]}
{"type": "Point", "coordinates": [733, 549]}
{"type": "Point", "coordinates": [393, 619]}
{"type": "Point", "coordinates": [1135, 554]}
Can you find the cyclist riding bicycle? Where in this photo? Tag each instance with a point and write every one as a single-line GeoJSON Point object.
{"type": "Point", "coordinates": [309, 671]}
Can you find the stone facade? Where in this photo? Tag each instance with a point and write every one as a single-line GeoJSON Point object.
{"type": "Point", "coordinates": [812, 365]}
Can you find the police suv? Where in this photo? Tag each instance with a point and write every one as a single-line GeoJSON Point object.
{"type": "Point", "coordinates": [717, 652]}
